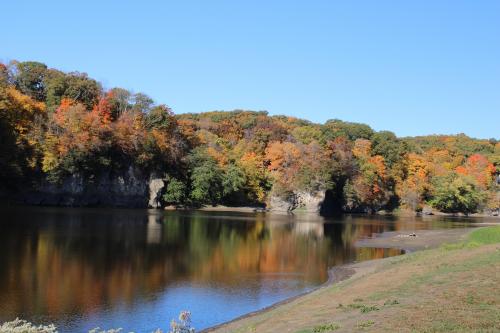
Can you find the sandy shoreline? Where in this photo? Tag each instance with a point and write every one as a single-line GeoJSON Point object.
{"type": "Point", "coordinates": [424, 239]}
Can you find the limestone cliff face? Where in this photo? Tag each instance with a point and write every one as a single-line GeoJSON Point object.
{"type": "Point", "coordinates": [156, 186]}
{"type": "Point", "coordinates": [127, 189]}
{"type": "Point", "coordinates": [300, 200]}
{"type": "Point", "coordinates": [282, 204]}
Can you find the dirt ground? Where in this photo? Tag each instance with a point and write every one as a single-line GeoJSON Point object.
{"type": "Point", "coordinates": [446, 289]}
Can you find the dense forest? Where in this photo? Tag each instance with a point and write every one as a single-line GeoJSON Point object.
{"type": "Point", "coordinates": [55, 124]}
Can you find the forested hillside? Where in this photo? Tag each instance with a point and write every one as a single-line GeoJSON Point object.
{"type": "Point", "coordinates": [55, 124]}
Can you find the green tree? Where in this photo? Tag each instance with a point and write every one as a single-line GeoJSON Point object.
{"type": "Point", "coordinates": [387, 145]}
{"type": "Point", "coordinates": [77, 87]}
{"type": "Point", "coordinates": [142, 103]}
{"type": "Point", "coordinates": [29, 79]}
{"type": "Point", "coordinates": [175, 192]}
{"type": "Point", "coordinates": [82, 89]}
{"type": "Point", "coordinates": [55, 85]}
{"type": "Point", "coordinates": [120, 101]}
{"type": "Point", "coordinates": [307, 134]}
{"type": "Point", "coordinates": [206, 178]}
{"type": "Point", "coordinates": [233, 180]}
{"type": "Point", "coordinates": [337, 128]}
{"type": "Point", "coordinates": [456, 193]}
{"type": "Point", "coordinates": [160, 117]}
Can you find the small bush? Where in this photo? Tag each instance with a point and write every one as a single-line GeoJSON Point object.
{"type": "Point", "coordinates": [184, 324]}
{"type": "Point", "coordinates": [23, 326]}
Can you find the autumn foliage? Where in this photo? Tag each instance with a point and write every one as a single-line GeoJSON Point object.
{"type": "Point", "coordinates": [55, 124]}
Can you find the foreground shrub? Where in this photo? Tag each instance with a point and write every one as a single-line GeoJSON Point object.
{"type": "Point", "coordinates": [184, 324]}
{"type": "Point", "coordinates": [23, 326]}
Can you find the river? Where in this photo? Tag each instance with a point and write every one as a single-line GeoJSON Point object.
{"type": "Point", "coordinates": [137, 269]}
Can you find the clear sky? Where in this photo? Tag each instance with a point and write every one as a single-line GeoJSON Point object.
{"type": "Point", "coordinates": [412, 67]}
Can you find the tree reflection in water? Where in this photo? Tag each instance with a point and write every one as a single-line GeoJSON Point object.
{"type": "Point", "coordinates": [64, 263]}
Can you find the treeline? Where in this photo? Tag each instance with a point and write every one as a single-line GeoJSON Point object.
{"type": "Point", "coordinates": [54, 124]}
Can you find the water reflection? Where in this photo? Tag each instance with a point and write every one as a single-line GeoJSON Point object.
{"type": "Point", "coordinates": [137, 269]}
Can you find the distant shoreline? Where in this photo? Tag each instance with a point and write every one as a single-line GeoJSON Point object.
{"type": "Point", "coordinates": [221, 208]}
{"type": "Point", "coordinates": [253, 209]}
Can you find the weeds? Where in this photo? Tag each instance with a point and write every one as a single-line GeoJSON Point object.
{"type": "Point", "coordinates": [365, 324]}
{"type": "Point", "coordinates": [326, 328]}
{"type": "Point", "coordinates": [391, 302]}
{"type": "Point", "coordinates": [364, 308]}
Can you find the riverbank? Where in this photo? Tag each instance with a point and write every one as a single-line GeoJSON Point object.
{"type": "Point", "coordinates": [399, 213]}
{"type": "Point", "coordinates": [239, 209]}
{"type": "Point", "coordinates": [446, 288]}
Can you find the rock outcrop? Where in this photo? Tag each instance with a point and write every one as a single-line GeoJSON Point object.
{"type": "Point", "coordinates": [156, 186]}
{"type": "Point", "coordinates": [310, 202]}
{"type": "Point", "coordinates": [127, 189]}
{"type": "Point", "coordinates": [282, 204]}
{"type": "Point", "coordinates": [427, 210]}
{"type": "Point", "coordinates": [300, 200]}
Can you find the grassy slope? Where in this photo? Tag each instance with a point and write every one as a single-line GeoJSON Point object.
{"type": "Point", "coordinates": [489, 235]}
{"type": "Point", "coordinates": [455, 288]}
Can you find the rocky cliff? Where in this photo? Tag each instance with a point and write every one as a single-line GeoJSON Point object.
{"type": "Point", "coordinates": [298, 201]}
{"type": "Point", "coordinates": [131, 188]}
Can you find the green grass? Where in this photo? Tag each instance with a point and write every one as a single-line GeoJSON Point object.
{"type": "Point", "coordinates": [482, 236]}
{"type": "Point", "coordinates": [322, 328]}
{"type": "Point", "coordinates": [488, 235]}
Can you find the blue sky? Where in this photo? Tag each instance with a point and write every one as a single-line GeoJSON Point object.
{"type": "Point", "coordinates": [412, 67]}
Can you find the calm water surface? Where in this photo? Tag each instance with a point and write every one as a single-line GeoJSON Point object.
{"type": "Point", "coordinates": [136, 269]}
